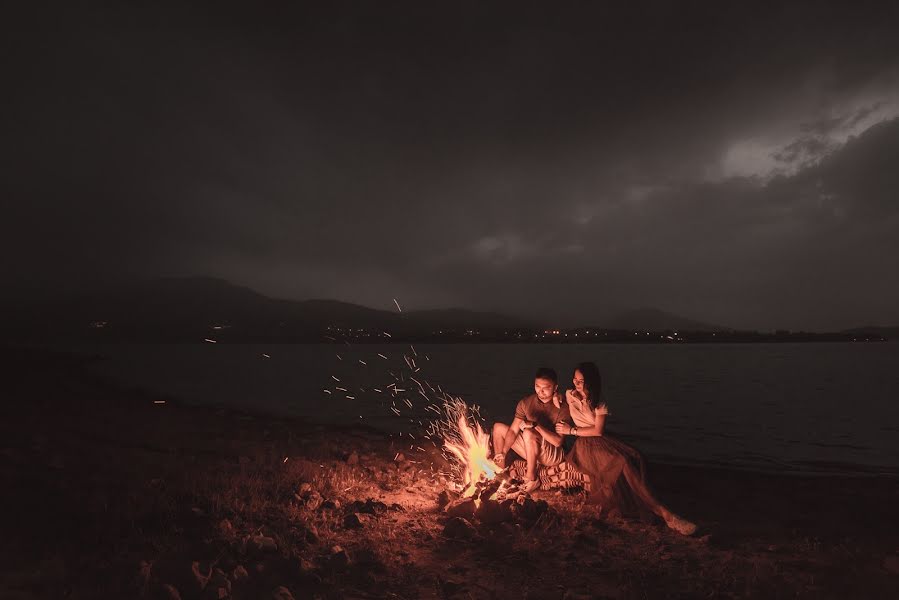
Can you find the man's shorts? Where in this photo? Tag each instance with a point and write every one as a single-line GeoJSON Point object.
{"type": "Point", "coordinates": [547, 454]}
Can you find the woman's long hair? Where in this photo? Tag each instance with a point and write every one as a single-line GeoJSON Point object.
{"type": "Point", "coordinates": [592, 382]}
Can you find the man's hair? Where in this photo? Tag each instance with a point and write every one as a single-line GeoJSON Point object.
{"type": "Point", "coordinates": [547, 373]}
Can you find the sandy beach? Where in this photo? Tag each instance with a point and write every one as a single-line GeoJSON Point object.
{"type": "Point", "coordinates": [118, 493]}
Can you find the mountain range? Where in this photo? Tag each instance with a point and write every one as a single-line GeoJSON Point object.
{"type": "Point", "coordinates": [203, 307]}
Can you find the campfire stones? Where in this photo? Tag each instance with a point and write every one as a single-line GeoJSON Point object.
{"type": "Point", "coordinates": [458, 528]}
{"type": "Point", "coordinates": [461, 507]}
{"type": "Point", "coordinates": [492, 512]}
{"type": "Point", "coordinates": [369, 507]}
{"type": "Point", "coordinates": [353, 521]}
{"type": "Point", "coordinates": [490, 488]}
{"type": "Point", "coordinates": [443, 499]}
{"type": "Point", "coordinates": [527, 509]}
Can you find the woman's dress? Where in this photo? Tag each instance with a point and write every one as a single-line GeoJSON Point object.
{"type": "Point", "coordinates": [616, 471]}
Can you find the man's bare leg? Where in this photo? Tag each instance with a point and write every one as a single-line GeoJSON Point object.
{"type": "Point", "coordinates": [531, 448]}
{"type": "Point", "coordinates": [499, 436]}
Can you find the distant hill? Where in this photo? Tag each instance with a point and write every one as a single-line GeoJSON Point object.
{"type": "Point", "coordinates": [196, 308]}
{"type": "Point", "coordinates": [651, 319]}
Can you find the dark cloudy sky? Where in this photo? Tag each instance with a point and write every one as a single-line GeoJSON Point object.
{"type": "Point", "coordinates": [734, 162]}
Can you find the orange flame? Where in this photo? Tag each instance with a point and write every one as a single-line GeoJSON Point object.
{"type": "Point", "coordinates": [471, 448]}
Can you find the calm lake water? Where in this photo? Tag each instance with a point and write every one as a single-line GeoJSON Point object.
{"type": "Point", "coordinates": [817, 408]}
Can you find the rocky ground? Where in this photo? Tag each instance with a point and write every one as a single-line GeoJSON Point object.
{"type": "Point", "coordinates": [109, 493]}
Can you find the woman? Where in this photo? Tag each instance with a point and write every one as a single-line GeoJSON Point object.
{"type": "Point", "coordinates": [615, 470]}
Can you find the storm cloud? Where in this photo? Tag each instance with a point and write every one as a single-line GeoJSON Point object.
{"type": "Point", "coordinates": [735, 164]}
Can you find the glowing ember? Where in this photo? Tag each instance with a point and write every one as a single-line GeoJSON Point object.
{"type": "Point", "coordinates": [469, 445]}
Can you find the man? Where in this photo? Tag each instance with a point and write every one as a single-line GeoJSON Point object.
{"type": "Point", "coordinates": [532, 434]}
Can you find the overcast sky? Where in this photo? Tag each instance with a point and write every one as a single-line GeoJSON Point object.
{"type": "Point", "coordinates": [726, 161]}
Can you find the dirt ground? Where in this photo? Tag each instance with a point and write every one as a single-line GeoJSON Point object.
{"type": "Point", "coordinates": [109, 494]}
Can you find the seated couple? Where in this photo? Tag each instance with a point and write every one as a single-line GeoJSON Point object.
{"type": "Point", "coordinates": [610, 471]}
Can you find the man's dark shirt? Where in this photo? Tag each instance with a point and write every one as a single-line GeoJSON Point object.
{"type": "Point", "coordinates": [544, 414]}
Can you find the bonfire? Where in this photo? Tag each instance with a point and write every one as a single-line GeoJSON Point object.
{"type": "Point", "coordinates": [468, 446]}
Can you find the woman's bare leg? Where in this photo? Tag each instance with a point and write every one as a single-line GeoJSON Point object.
{"type": "Point", "coordinates": [637, 483]}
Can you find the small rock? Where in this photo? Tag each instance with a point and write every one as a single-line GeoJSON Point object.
{"type": "Point", "coordinates": [168, 592]}
{"type": "Point", "coordinates": [239, 574]}
{"type": "Point", "coordinates": [144, 570]}
{"type": "Point", "coordinates": [201, 578]}
{"type": "Point", "coordinates": [314, 500]}
{"type": "Point", "coordinates": [263, 543]}
{"type": "Point", "coordinates": [352, 521]}
{"type": "Point", "coordinates": [525, 508]}
{"type": "Point", "coordinates": [458, 528]}
{"type": "Point", "coordinates": [463, 507]}
{"type": "Point", "coordinates": [400, 457]}
{"type": "Point", "coordinates": [369, 507]}
{"type": "Point", "coordinates": [891, 564]}
{"type": "Point", "coordinates": [281, 593]}
{"type": "Point", "coordinates": [492, 512]}
{"type": "Point", "coordinates": [218, 587]}
{"type": "Point", "coordinates": [330, 505]}
{"type": "Point", "coordinates": [353, 458]}
{"type": "Point", "coordinates": [306, 567]}
{"type": "Point", "coordinates": [311, 534]}
{"type": "Point", "coordinates": [305, 488]}
{"type": "Point", "coordinates": [338, 559]}
{"type": "Point", "coordinates": [443, 498]}
{"type": "Point", "coordinates": [226, 529]}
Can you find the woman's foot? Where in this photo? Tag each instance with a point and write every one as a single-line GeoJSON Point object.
{"type": "Point", "coordinates": [682, 526]}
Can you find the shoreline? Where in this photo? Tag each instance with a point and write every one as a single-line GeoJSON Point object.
{"type": "Point", "coordinates": [732, 446]}
{"type": "Point", "coordinates": [119, 497]}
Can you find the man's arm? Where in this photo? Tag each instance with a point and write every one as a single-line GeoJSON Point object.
{"type": "Point", "coordinates": [550, 436]}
